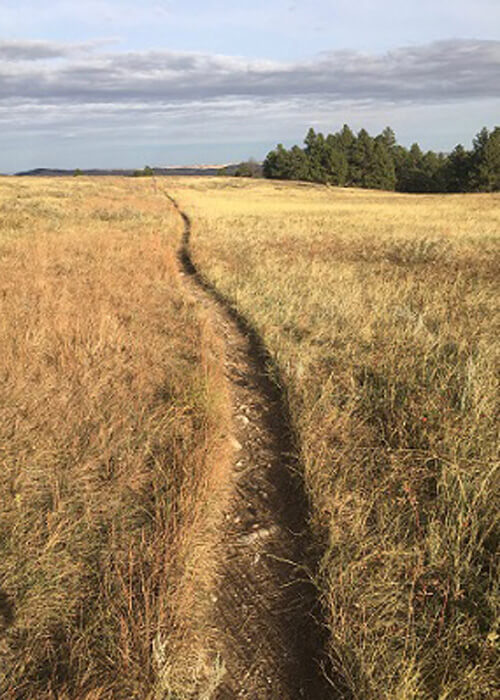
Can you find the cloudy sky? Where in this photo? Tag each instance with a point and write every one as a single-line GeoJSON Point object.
{"type": "Point", "coordinates": [122, 83]}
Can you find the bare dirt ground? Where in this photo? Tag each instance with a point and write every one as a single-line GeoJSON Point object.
{"type": "Point", "coordinates": [265, 607]}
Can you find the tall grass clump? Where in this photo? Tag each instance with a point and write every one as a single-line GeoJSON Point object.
{"type": "Point", "coordinates": [381, 311]}
{"type": "Point", "coordinates": [112, 446]}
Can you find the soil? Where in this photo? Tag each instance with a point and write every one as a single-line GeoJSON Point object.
{"type": "Point", "coordinates": [266, 613]}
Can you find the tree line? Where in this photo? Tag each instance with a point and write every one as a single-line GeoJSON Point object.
{"type": "Point", "coordinates": [360, 160]}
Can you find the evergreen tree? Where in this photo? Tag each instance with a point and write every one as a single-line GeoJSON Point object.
{"type": "Point", "coordinates": [299, 164]}
{"type": "Point", "coordinates": [310, 141]}
{"type": "Point", "coordinates": [433, 167]}
{"type": "Point", "coordinates": [277, 164]}
{"type": "Point", "coordinates": [480, 140]}
{"type": "Point", "coordinates": [417, 172]}
{"type": "Point", "coordinates": [336, 166]}
{"type": "Point", "coordinates": [361, 159]}
{"type": "Point", "coordinates": [381, 175]}
{"type": "Point", "coordinates": [346, 139]}
{"type": "Point", "coordinates": [415, 155]}
{"type": "Point", "coordinates": [401, 163]}
{"type": "Point", "coordinates": [315, 151]}
{"type": "Point", "coordinates": [388, 138]}
{"type": "Point", "coordinates": [342, 158]}
{"type": "Point", "coordinates": [336, 160]}
{"type": "Point", "coordinates": [458, 170]}
{"type": "Point", "coordinates": [486, 161]}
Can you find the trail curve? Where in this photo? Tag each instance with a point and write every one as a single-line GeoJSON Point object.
{"type": "Point", "coordinates": [265, 611]}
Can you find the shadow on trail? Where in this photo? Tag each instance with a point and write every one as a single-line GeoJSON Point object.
{"type": "Point", "coordinates": [291, 617]}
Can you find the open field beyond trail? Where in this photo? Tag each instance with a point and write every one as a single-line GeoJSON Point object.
{"type": "Point", "coordinates": [379, 314]}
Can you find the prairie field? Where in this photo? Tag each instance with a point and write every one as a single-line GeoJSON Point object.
{"type": "Point", "coordinates": [379, 314]}
{"type": "Point", "coordinates": [380, 311]}
{"type": "Point", "coordinates": [111, 436]}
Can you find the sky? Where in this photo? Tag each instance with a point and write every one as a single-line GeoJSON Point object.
{"type": "Point", "coordinates": [122, 83]}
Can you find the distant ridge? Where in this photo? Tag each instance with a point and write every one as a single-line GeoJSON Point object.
{"type": "Point", "coordinates": [174, 170]}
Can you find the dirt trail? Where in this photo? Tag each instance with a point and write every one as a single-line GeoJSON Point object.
{"type": "Point", "coordinates": [265, 608]}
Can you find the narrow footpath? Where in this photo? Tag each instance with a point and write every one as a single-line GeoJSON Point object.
{"type": "Point", "coordinates": [265, 607]}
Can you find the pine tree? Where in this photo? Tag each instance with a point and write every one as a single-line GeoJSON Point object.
{"type": "Point", "coordinates": [458, 170]}
{"type": "Point", "coordinates": [334, 163]}
{"type": "Point", "coordinates": [416, 155]}
{"type": "Point", "coordinates": [269, 167]}
{"type": "Point", "coordinates": [343, 158]}
{"type": "Point", "coordinates": [314, 149]}
{"type": "Point", "coordinates": [486, 161]}
{"type": "Point", "coordinates": [433, 167]}
{"type": "Point", "coordinates": [388, 138]}
{"type": "Point", "coordinates": [346, 139]}
{"type": "Point", "coordinates": [310, 141]}
{"type": "Point", "coordinates": [299, 164]}
{"type": "Point", "coordinates": [381, 173]}
{"type": "Point", "coordinates": [480, 140]}
{"type": "Point", "coordinates": [277, 164]}
{"type": "Point", "coordinates": [362, 159]}
{"type": "Point", "coordinates": [416, 172]}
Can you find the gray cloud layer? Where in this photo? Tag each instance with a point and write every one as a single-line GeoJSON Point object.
{"type": "Point", "coordinates": [62, 104]}
{"type": "Point", "coordinates": [30, 50]}
{"type": "Point", "coordinates": [22, 50]}
{"type": "Point", "coordinates": [445, 70]}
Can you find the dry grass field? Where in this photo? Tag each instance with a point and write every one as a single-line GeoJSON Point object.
{"type": "Point", "coordinates": [112, 455]}
{"type": "Point", "coordinates": [381, 312]}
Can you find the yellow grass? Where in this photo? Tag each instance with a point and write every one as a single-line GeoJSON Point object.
{"type": "Point", "coordinates": [381, 311]}
{"type": "Point", "coordinates": [112, 450]}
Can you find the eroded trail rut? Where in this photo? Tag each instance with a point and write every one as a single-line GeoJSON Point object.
{"type": "Point", "coordinates": [265, 609]}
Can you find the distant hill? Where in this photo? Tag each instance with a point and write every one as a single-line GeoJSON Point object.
{"type": "Point", "coordinates": [176, 170]}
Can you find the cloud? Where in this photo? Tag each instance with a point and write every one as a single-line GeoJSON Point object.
{"type": "Point", "coordinates": [30, 50]}
{"type": "Point", "coordinates": [444, 70]}
{"type": "Point", "coordinates": [59, 102]}
{"type": "Point", "coordinates": [23, 50]}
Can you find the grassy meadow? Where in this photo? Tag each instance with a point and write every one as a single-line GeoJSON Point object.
{"type": "Point", "coordinates": [113, 456]}
{"type": "Point", "coordinates": [381, 311]}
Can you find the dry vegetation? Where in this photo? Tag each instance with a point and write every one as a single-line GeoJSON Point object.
{"type": "Point", "coordinates": [380, 310]}
{"type": "Point", "coordinates": [111, 409]}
